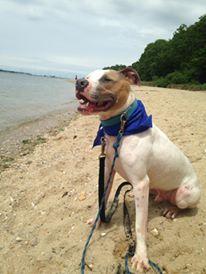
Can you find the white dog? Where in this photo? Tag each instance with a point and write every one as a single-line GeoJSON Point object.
{"type": "Point", "coordinates": [147, 158]}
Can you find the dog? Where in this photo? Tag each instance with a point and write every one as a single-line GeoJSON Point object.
{"type": "Point", "coordinates": [147, 159]}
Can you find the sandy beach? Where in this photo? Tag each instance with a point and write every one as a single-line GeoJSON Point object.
{"type": "Point", "coordinates": [48, 195]}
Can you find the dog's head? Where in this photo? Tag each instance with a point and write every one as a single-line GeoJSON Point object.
{"type": "Point", "coordinates": [105, 90]}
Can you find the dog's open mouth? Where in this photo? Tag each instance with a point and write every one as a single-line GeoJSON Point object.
{"type": "Point", "coordinates": [90, 106]}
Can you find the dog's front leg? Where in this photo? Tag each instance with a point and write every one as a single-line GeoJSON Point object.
{"type": "Point", "coordinates": [107, 174]}
{"type": "Point", "coordinates": [141, 194]}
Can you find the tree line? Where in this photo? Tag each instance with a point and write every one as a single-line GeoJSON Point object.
{"type": "Point", "coordinates": [178, 61]}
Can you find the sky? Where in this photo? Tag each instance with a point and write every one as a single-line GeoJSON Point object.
{"type": "Point", "coordinates": [68, 37]}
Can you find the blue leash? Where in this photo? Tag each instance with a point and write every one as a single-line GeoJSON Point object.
{"type": "Point", "coordinates": [97, 217]}
{"type": "Point", "coordinates": [116, 155]}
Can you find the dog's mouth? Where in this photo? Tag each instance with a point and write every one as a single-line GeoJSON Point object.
{"type": "Point", "coordinates": [87, 106]}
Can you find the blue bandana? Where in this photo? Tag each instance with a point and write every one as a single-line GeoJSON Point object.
{"type": "Point", "coordinates": [137, 121]}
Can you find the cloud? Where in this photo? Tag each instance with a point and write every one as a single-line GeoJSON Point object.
{"type": "Point", "coordinates": [87, 34]}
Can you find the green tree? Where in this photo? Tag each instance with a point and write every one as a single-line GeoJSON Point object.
{"type": "Point", "coordinates": [180, 60]}
{"type": "Point", "coordinates": [116, 67]}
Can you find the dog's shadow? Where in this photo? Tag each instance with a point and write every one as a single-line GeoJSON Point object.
{"type": "Point", "coordinates": [155, 210]}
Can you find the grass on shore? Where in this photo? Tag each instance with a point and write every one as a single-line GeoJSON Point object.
{"type": "Point", "coordinates": [27, 146]}
{"type": "Point", "coordinates": [5, 162]}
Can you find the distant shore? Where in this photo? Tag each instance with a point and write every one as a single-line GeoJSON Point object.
{"type": "Point", "coordinates": [69, 77]}
{"type": "Point", "coordinates": [32, 74]}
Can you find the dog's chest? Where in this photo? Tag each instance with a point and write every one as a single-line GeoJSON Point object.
{"type": "Point", "coordinates": [109, 147]}
{"type": "Point", "coordinates": [109, 150]}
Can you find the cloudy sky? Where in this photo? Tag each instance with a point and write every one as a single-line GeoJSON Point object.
{"type": "Point", "coordinates": [64, 36]}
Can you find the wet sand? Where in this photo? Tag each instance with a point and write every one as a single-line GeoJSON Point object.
{"type": "Point", "coordinates": [47, 196]}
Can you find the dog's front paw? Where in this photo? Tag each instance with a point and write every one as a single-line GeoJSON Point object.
{"type": "Point", "coordinates": [140, 263]}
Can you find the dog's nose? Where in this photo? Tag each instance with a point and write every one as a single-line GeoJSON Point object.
{"type": "Point", "coordinates": [81, 84]}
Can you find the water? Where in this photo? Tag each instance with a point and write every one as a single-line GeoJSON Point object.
{"type": "Point", "coordinates": [25, 98]}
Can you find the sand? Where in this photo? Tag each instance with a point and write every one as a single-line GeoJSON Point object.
{"type": "Point", "coordinates": [47, 196]}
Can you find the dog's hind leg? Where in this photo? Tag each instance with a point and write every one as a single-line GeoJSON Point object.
{"type": "Point", "coordinates": [186, 196]}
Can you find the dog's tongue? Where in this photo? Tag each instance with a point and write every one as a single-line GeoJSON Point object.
{"type": "Point", "coordinates": [87, 107]}
{"type": "Point", "coordinates": [91, 107]}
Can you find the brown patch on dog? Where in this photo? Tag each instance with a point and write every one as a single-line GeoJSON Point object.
{"type": "Point", "coordinates": [111, 74]}
{"type": "Point", "coordinates": [114, 84]}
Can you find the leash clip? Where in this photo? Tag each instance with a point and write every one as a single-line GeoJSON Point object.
{"type": "Point", "coordinates": [123, 120]}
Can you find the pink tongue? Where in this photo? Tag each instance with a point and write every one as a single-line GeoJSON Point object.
{"type": "Point", "coordinates": [88, 108]}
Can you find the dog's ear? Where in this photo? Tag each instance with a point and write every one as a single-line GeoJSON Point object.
{"type": "Point", "coordinates": [131, 75]}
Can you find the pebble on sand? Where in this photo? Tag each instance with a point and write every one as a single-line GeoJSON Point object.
{"type": "Point", "coordinates": [18, 239]}
{"type": "Point", "coordinates": [155, 232]}
{"type": "Point", "coordinates": [103, 234]}
{"type": "Point", "coordinates": [82, 196]}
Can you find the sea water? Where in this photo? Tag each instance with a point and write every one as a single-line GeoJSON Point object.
{"type": "Point", "coordinates": [25, 97]}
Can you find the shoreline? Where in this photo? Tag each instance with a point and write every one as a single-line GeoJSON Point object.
{"type": "Point", "coordinates": [20, 140]}
{"type": "Point", "coordinates": [34, 74]}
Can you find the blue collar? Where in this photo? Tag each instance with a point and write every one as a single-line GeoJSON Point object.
{"type": "Point", "coordinates": [137, 121]}
{"type": "Point", "coordinates": [116, 119]}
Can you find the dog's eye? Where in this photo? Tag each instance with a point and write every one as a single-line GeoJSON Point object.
{"type": "Point", "coordinates": [107, 79]}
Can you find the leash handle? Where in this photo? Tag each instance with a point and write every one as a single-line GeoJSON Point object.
{"type": "Point", "coordinates": [101, 187]}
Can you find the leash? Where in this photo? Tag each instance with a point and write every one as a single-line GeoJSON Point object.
{"type": "Point", "coordinates": [101, 212]}
{"type": "Point", "coordinates": [102, 204]}
{"type": "Point", "coordinates": [101, 190]}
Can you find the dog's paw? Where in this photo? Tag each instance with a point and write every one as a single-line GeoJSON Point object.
{"type": "Point", "coordinates": [140, 263]}
{"type": "Point", "coordinates": [171, 212]}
